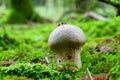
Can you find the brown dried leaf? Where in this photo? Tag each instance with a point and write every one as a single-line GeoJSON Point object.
{"type": "Point", "coordinates": [7, 63]}
{"type": "Point", "coordinates": [100, 78]}
{"type": "Point", "coordinates": [117, 37]}
{"type": "Point", "coordinates": [109, 41]}
{"type": "Point", "coordinates": [97, 78]}
{"type": "Point", "coordinates": [104, 48]}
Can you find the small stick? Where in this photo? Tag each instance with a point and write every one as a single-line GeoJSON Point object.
{"type": "Point", "coordinates": [47, 60]}
{"type": "Point", "coordinates": [89, 74]}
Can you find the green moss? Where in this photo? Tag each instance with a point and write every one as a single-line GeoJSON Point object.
{"type": "Point", "coordinates": [30, 49]}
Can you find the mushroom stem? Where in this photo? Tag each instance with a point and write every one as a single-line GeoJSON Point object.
{"type": "Point", "coordinates": [70, 56]}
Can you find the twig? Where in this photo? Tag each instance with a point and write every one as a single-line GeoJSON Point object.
{"type": "Point", "coordinates": [64, 14]}
{"type": "Point", "coordinates": [95, 16]}
{"type": "Point", "coordinates": [89, 74]}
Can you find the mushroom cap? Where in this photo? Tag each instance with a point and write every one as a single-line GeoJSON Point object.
{"type": "Point", "coordinates": [66, 36]}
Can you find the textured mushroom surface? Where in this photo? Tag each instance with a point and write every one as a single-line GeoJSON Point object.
{"type": "Point", "coordinates": [66, 40]}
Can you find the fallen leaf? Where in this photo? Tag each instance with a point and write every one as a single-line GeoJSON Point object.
{"type": "Point", "coordinates": [104, 48]}
{"type": "Point", "coordinates": [7, 63]}
{"type": "Point", "coordinates": [117, 37]}
{"type": "Point", "coordinates": [109, 41]}
{"type": "Point", "coordinates": [97, 78]}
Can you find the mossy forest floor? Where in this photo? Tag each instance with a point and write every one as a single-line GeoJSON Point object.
{"type": "Point", "coordinates": [24, 53]}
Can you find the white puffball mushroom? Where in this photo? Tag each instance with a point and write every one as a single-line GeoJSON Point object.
{"type": "Point", "coordinates": [66, 40]}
